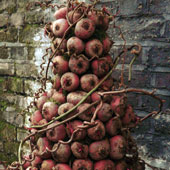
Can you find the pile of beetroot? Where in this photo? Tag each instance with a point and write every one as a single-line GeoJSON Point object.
{"type": "Point", "coordinates": [78, 128]}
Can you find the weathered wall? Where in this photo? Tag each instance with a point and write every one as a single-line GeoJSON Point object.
{"type": "Point", "coordinates": [22, 46]}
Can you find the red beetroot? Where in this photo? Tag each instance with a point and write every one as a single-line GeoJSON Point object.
{"type": "Point", "coordinates": [56, 82]}
{"type": "Point", "coordinates": [93, 15]}
{"type": "Point", "coordinates": [79, 150]}
{"type": "Point", "coordinates": [100, 67]}
{"type": "Point", "coordinates": [72, 126]}
{"type": "Point", "coordinates": [61, 166]}
{"type": "Point", "coordinates": [75, 97]}
{"type": "Point", "coordinates": [36, 117]}
{"type": "Point", "coordinates": [75, 45]}
{"type": "Point", "coordinates": [62, 154]}
{"type": "Point", "coordinates": [57, 42]}
{"type": "Point", "coordinates": [32, 168]}
{"type": "Point", "coordinates": [59, 27]}
{"type": "Point", "coordinates": [74, 16]}
{"type": "Point", "coordinates": [97, 132]}
{"type": "Point", "coordinates": [121, 165]}
{"type": "Point", "coordinates": [110, 60]}
{"type": "Point", "coordinates": [113, 126]}
{"type": "Point", "coordinates": [42, 122]}
{"type": "Point", "coordinates": [58, 97]}
{"type": "Point", "coordinates": [88, 82]}
{"type": "Point", "coordinates": [104, 165]}
{"type": "Point", "coordinates": [84, 28]}
{"type": "Point", "coordinates": [64, 108]}
{"type": "Point", "coordinates": [87, 115]}
{"type": "Point", "coordinates": [117, 147]}
{"type": "Point", "coordinates": [99, 150]}
{"type": "Point", "coordinates": [103, 22]}
{"type": "Point", "coordinates": [47, 164]}
{"type": "Point", "coordinates": [118, 105]}
{"type": "Point", "coordinates": [27, 163]}
{"type": "Point", "coordinates": [81, 164]}
{"type": "Point", "coordinates": [78, 64]}
{"type": "Point", "coordinates": [69, 81]}
{"type": "Point", "coordinates": [49, 110]}
{"type": "Point", "coordinates": [57, 133]}
{"type": "Point", "coordinates": [37, 159]}
{"type": "Point", "coordinates": [105, 113]}
{"type": "Point", "coordinates": [61, 13]}
{"type": "Point", "coordinates": [107, 84]}
{"type": "Point", "coordinates": [50, 93]}
{"type": "Point", "coordinates": [94, 48]}
{"type": "Point", "coordinates": [60, 65]}
{"type": "Point", "coordinates": [129, 116]}
{"type": "Point", "coordinates": [107, 44]}
{"type": "Point", "coordinates": [40, 102]}
{"type": "Point", "coordinates": [42, 144]}
{"type": "Point", "coordinates": [95, 97]}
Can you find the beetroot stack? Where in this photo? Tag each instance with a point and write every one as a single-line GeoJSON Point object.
{"type": "Point", "coordinates": [97, 139]}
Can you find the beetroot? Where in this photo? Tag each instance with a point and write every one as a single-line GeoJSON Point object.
{"type": "Point", "coordinates": [94, 48]}
{"type": "Point", "coordinates": [79, 150]}
{"type": "Point", "coordinates": [56, 82]}
{"type": "Point", "coordinates": [36, 117]}
{"type": "Point", "coordinates": [129, 116]}
{"type": "Point", "coordinates": [69, 81]}
{"type": "Point", "coordinates": [61, 166]}
{"type": "Point", "coordinates": [78, 64]}
{"type": "Point", "coordinates": [105, 113]}
{"type": "Point", "coordinates": [27, 163]}
{"type": "Point", "coordinates": [117, 147]}
{"type": "Point", "coordinates": [88, 82]}
{"type": "Point", "coordinates": [49, 110]}
{"type": "Point", "coordinates": [57, 133]}
{"type": "Point", "coordinates": [60, 65]}
{"type": "Point", "coordinates": [113, 126]}
{"type": "Point", "coordinates": [81, 164]}
{"type": "Point", "coordinates": [75, 97]}
{"type": "Point", "coordinates": [42, 144]}
{"type": "Point", "coordinates": [97, 132]}
{"type": "Point", "coordinates": [100, 67]}
{"type": "Point", "coordinates": [62, 154]}
{"type": "Point", "coordinates": [74, 17]}
{"type": "Point", "coordinates": [47, 164]}
{"type": "Point", "coordinates": [61, 13]}
{"type": "Point", "coordinates": [58, 97]}
{"type": "Point", "coordinates": [59, 27]}
{"type": "Point", "coordinates": [121, 165]}
{"type": "Point", "coordinates": [75, 45]}
{"type": "Point", "coordinates": [118, 105]}
{"type": "Point", "coordinates": [57, 42]}
{"type": "Point", "coordinates": [72, 126]}
{"type": "Point", "coordinates": [107, 84]}
{"type": "Point", "coordinates": [93, 15]}
{"type": "Point", "coordinates": [64, 108]}
{"type": "Point", "coordinates": [99, 150]}
{"type": "Point", "coordinates": [84, 28]}
{"type": "Point", "coordinates": [87, 115]}
{"type": "Point", "coordinates": [95, 97]}
{"type": "Point", "coordinates": [37, 160]}
{"type": "Point", "coordinates": [40, 102]}
{"type": "Point", "coordinates": [104, 165]}
{"type": "Point", "coordinates": [107, 44]}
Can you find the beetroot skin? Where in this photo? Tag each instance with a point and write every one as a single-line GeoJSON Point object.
{"type": "Point", "coordinates": [79, 150]}
{"type": "Point", "coordinates": [81, 164]}
{"type": "Point", "coordinates": [99, 150]}
{"type": "Point", "coordinates": [62, 166]}
{"type": "Point", "coordinates": [62, 154]}
{"type": "Point", "coordinates": [104, 165]}
{"type": "Point", "coordinates": [47, 164]}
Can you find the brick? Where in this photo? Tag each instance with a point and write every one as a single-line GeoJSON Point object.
{"type": "Point", "coordinates": [17, 19]}
{"type": "Point", "coordinates": [27, 34]}
{"type": "Point", "coordinates": [19, 53]}
{"type": "Point", "coordinates": [31, 52]}
{"type": "Point", "coordinates": [9, 7]}
{"type": "Point", "coordinates": [4, 53]}
{"type": "Point", "coordinates": [140, 29]}
{"type": "Point", "coordinates": [159, 56]}
{"type": "Point", "coordinates": [4, 19]}
{"type": "Point", "coordinates": [15, 85]}
{"type": "Point", "coordinates": [159, 7]}
{"type": "Point", "coordinates": [7, 69]}
{"type": "Point", "coordinates": [161, 80]}
{"type": "Point", "coordinates": [22, 70]}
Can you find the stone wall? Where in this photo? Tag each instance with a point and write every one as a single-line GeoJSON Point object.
{"type": "Point", "coordinates": [22, 45]}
